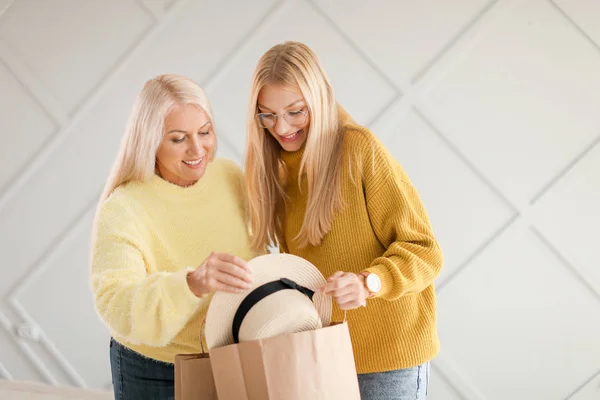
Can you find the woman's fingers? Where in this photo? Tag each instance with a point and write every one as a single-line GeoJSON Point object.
{"type": "Point", "coordinates": [229, 275]}
{"type": "Point", "coordinates": [342, 290]}
{"type": "Point", "coordinates": [350, 305]}
{"type": "Point", "coordinates": [340, 284]}
{"type": "Point", "coordinates": [222, 272]}
{"type": "Point", "coordinates": [336, 275]}
{"type": "Point", "coordinates": [224, 287]}
{"type": "Point", "coordinates": [234, 270]}
{"type": "Point", "coordinates": [235, 260]}
{"type": "Point", "coordinates": [231, 280]}
{"type": "Point", "coordinates": [347, 290]}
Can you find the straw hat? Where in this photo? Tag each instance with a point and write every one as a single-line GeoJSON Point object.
{"type": "Point", "coordinates": [278, 302]}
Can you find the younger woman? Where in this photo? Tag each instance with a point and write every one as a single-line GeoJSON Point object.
{"type": "Point", "coordinates": [324, 188]}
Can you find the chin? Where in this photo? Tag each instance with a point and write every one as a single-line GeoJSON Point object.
{"type": "Point", "coordinates": [197, 175]}
{"type": "Point", "coordinates": [290, 148]}
{"type": "Point", "coordinates": [200, 174]}
{"type": "Point", "coordinates": [294, 146]}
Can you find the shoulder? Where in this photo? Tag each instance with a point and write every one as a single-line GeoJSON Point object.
{"type": "Point", "coordinates": [357, 136]}
{"type": "Point", "coordinates": [362, 144]}
{"type": "Point", "coordinates": [227, 167]}
{"type": "Point", "coordinates": [360, 140]}
{"type": "Point", "coordinates": [226, 164]}
{"type": "Point", "coordinates": [118, 211]}
{"type": "Point", "coordinates": [120, 200]}
{"type": "Point", "coordinates": [365, 150]}
{"type": "Point", "coordinates": [227, 172]}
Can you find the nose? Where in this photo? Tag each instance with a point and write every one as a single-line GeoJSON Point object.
{"type": "Point", "coordinates": [195, 149]}
{"type": "Point", "coordinates": [282, 127]}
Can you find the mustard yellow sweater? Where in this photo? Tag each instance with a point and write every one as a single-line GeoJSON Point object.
{"type": "Point", "coordinates": [148, 236]}
{"type": "Point", "coordinates": [383, 229]}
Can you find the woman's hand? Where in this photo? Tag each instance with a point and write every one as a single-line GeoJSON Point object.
{"type": "Point", "coordinates": [220, 272]}
{"type": "Point", "coordinates": [348, 290]}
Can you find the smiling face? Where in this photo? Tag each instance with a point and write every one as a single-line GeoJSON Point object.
{"type": "Point", "coordinates": [187, 145]}
{"type": "Point", "coordinates": [284, 113]}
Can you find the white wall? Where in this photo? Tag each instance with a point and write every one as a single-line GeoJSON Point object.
{"type": "Point", "coordinates": [491, 106]}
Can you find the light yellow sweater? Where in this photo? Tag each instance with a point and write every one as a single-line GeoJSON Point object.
{"type": "Point", "coordinates": [383, 229]}
{"type": "Point", "coordinates": [148, 236]}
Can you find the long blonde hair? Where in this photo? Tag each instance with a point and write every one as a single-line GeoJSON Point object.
{"type": "Point", "coordinates": [136, 160]}
{"type": "Point", "coordinates": [293, 64]}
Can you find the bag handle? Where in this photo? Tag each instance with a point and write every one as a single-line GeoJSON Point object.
{"type": "Point", "coordinates": [202, 335]}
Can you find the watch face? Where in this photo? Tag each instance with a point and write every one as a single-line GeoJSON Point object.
{"type": "Point", "coordinates": [373, 283]}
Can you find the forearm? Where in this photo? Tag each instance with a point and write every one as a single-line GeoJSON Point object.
{"type": "Point", "coordinates": [407, 267]}
{"type": "Point", "coordinates": [150, 310]}
{"type": "Point", "coordinates": [412, 258]}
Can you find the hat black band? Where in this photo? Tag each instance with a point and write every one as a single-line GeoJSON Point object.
{"type": "Point", "coordinates": [260, 293]}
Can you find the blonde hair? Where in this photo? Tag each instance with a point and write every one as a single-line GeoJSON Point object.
{"type": "Point", "coordinates": [136, 160]}
{"type": "Point", "coordinates": [295, 65]}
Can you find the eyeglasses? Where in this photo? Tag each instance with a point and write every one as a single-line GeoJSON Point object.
{"type": "Point", "coordinates": [269, 120]}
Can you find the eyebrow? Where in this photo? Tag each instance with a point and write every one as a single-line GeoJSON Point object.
{"type": "Point", "coordinates": [289, 105]}
{"type": "Point", "coordinates": [182, 131]}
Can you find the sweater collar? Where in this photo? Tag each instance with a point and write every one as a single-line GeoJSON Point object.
{"type": "Point", "coordinates": [164, 188]}
{"type": "Point", "coordinates": [292, 159]}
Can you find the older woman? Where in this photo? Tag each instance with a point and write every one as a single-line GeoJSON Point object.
{"type": "Point", "coordinates": [169, 231]}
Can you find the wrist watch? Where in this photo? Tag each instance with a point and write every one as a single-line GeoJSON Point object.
{"type": "Point", "coordinates": [372, 282]}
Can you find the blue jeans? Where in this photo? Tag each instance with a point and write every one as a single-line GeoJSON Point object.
{"type": "Point", "coordinates": [403, 384]}
{"type": "Point", "coordinates": [136, 377]}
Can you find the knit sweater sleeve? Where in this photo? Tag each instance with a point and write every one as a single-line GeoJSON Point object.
{"type": "Point", "coordinates": [413, 258]}
{"type": "Point", "coordinates": [144, 308]}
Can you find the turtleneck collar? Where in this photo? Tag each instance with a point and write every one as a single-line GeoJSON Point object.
{"type": "Point", "coordinates": [292, 159]}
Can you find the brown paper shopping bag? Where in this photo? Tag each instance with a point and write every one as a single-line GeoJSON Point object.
{"type": "Point", "coordinates": [316, 365]}
{"type": "Point", "coordinates": [193, 375]}
{"type": "Point", "coordinates": [276, 341]}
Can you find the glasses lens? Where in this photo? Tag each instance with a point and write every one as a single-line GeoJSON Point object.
{"type": "Point", "coordinates": [295, 117]}
{"type": "Point", "coordinates": [266, 120]}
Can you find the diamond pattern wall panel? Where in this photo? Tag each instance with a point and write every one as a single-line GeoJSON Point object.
{"type": "Point", "coordinates": [522, 140]}
{"type": "Point", "coordinates": [374, 25]}
{"type": "Point", "coordinates": [511, 319]}
{"type": "Point", "coordinates": [589, 390]}
{"type": "Point", "coordinates": [60, 41]}
{"type": "Point", "coordinates": [584, 14]}
{"type": "Point", "coordinates": [569, 217]}
{"type": "Point", "coordinates": [37, 294]}
{"type": "Point", "coordinates": [491, 106]}
{"type": "Point", "coordinates": [24, 126]}
{"type": "Point", "coordinates": [158, 7]}
{"type": "Point", "coordinates": [15, 364]}
{"type": "Point", "coordinates": [4, 5]}
{"type": "Point", "coordinates": [440, 389]}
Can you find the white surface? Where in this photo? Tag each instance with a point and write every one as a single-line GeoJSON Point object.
{"type": "Point", "coordinates": [37, 391]}
{"type": "Point", "coordinates": [491, 106]}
